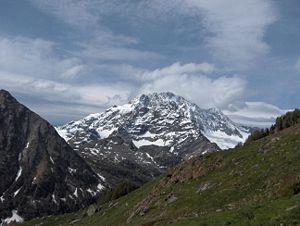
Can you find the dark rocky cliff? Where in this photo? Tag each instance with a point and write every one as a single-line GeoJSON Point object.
{"type": "Point", "coordinates": [40, 174]}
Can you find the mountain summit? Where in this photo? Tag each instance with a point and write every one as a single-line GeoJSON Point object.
{"type": "Point", "coordinates": [162, 119]}
{"type": "Point", "coordinates": [139, 140]}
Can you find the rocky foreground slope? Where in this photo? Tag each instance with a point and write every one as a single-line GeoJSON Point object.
{"type": "Point", "coordinates": [256, 184]}
{"type": "Point", "coordinates": [40, 174]}
{"type": "Point", "coordinates": [139, 140]}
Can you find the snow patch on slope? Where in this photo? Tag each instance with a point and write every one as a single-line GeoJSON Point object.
{"type": "Point", "coordinates": [224, 140]}
{"type": "Point", "coordinates": [63, 133]}
{"type": "Point", "coordinates": [140, 143]}
{"type": "Point", "coordinates": [15, 218]}
{"type": "Point", "coordinates": [105, 133]}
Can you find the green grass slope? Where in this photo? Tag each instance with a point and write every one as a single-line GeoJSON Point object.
{"type": "Point", "coordinates": [257, 184]}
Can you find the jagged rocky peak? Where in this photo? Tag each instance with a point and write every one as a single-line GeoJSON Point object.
{"type": "Point", "coordinates": [158, 99]}
{"type": "Point", "coordinates": [40, 174]}
{"type": "Point", "coordinates": [6, 99]}
{"type": "Point", "coordinates": [4, 95]}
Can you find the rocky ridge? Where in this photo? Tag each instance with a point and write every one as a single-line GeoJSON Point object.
{"type": "Point", "coordinates": [40, 174]}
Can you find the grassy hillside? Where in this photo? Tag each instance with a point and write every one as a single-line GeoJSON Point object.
{"type": "Point", "coordinates": [257, 184]}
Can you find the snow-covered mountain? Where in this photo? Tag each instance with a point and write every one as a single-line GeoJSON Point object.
{"type": "Point", "coordinates": [161, 119]}
{"type": "Point", "coordinates": [137, 141]}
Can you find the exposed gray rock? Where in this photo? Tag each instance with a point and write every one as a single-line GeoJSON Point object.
{"type": "Point", "coordinates": [74, 221]}
{"type": "Point", "coordinates": [40, 174]}
{"type": "Point", "coordinates": [92, 209]}
{"type": "Point", "coordinates": [172, 198]}
{"type": "Point", "coordinates": [205, 186]}
{"type": "Point", "coordinates": [291, 208]}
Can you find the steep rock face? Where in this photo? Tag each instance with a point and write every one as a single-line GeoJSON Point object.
{"type": "Point", "coordinates": [117, 160]}
{"type": "Point", "coordinates": [40, 174]}
{"type": "Point", "coordinates": [151, 133]}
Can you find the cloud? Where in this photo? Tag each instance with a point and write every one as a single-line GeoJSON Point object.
{"type": "Point", "coordinates": [259, 114]}
{"type": "Point", "coordinates": [201, 90]}
{"type": "Point", "coordinates": [233, 30]}
{"type": "Point", "coordinates": [35, 57]}
{"type": "Point", "coordinates": [96, 97]}
{"type": "Point", "coordinates": [297, 65]}
{"type": "Point", "coordinates": [177, 69]}
{"type": "Point", "coordinates": [72, 72]}
{"type": "Point", "coordinates": [237, 28]}
{"type": "Point", "coordinates": [191, 81]}
{"type": "Point", "coordinates": [32, 67]}
{"type": "Point", "coordinates": [97, 41]}
{"type": "Point", "coordinates": [101, 68]}
{"type": "Point", "coordinates": [68, 81]}
{"type": "Point", "coordinates": [76, 13]}
{"type": "Point", "coordinates": [110, 53]}
{"type": "Point", "coordinates": [106, 46]}
{"type": "Point", "coordinates": [54, 94]}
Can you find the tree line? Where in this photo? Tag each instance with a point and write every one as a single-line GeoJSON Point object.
{"type": "Point", "coordinates": [289, 119]}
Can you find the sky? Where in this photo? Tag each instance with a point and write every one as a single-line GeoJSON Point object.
{"type": "Point", "coordinates": [68, 58]}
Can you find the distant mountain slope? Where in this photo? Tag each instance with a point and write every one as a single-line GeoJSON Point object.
{"type": "Point", "coordinates": [40, 174]}
{"type": "Point", "coordinates": [137, 141]}
{"type": "Point", "coordinates": [256, 184]}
